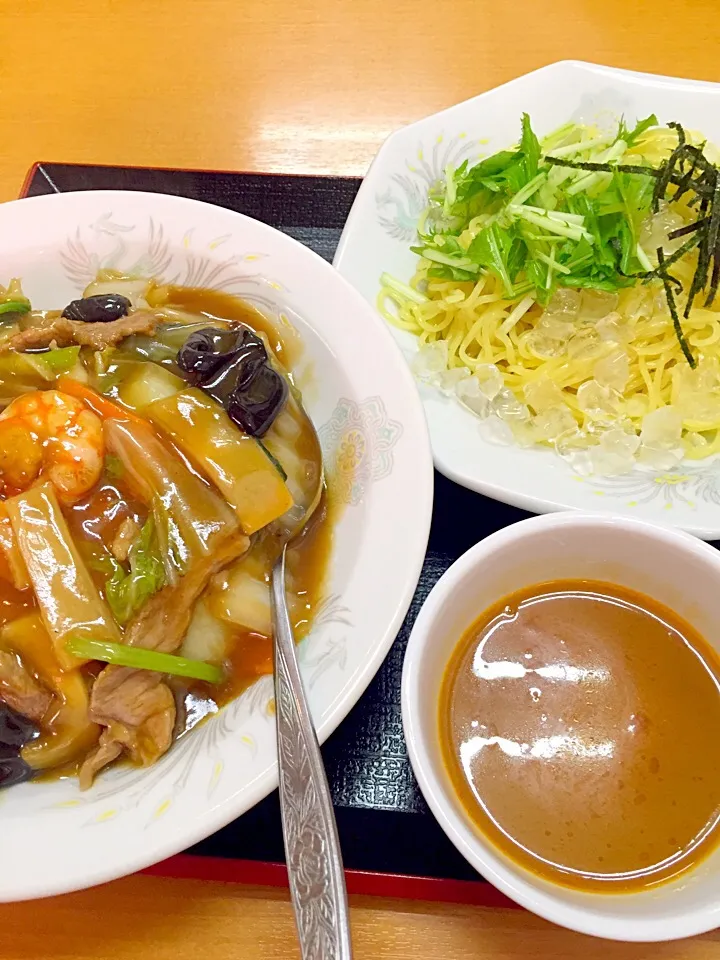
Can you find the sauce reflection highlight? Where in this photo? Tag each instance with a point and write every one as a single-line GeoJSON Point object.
{"type": "Point", "coordinates": [578, 721]}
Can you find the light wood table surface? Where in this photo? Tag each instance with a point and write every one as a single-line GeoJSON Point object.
{"type": "Point", "coordinates": [292, 86]}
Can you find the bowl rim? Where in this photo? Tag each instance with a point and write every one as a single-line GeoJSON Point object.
{"type": "Point", "coordinates": [515, 882]}
{"type": "Point", "coordinates": [215, 817]}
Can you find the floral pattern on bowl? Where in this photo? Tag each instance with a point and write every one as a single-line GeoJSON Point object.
{"type": "Point", "coordinates": [58, 839]}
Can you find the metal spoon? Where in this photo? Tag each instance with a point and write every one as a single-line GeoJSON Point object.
{"type": "Point", "coordinates": [312, 848]}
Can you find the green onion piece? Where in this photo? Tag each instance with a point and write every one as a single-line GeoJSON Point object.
{"type": "Point", "coordinates": [61, 360]}
{"type": "Point", "coordinates": [123, 656]}
{"type": "Point", "coordinates": [15, 306]}
{"type": "Point", "coordinates": [402, 289]}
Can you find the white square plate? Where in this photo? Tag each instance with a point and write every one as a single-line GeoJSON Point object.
{"type": "Point", "coordinates": [381, 227]}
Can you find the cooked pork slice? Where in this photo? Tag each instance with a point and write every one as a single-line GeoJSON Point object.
{"type": "Point", "coordinates": [126, 695]}
{"type": "Point", "coordinates": [21, 691]}
{"type": "Point", "coordinates": [107, 750]}
{"type": "Point", "coordinates": [63, 332]}
{"type": "Point", "coordinates": [137, 706]}
{"type": "Point", "coordinates": [163, 621]}
{"type": "Point", "coordinates": [145, 739]}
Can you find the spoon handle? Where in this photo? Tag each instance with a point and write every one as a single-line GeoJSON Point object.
{"type": "Point", "coordinates": [312, 848]}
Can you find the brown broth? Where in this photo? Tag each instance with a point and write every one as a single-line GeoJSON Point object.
{"type": "Point", "coordinates": [579, 724]}
{"type": "Point", "coordinates": [286, 346]}
{"type": "Point", "coordinates": [251, 654]}
{"type": "Point", "coordinates": [14, 603]}
{"type": "Point", "coordinates": [95, 520]}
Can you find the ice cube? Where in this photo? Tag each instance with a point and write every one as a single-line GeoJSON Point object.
{"type": "Point", "coordinates": [541, 394]}
{"type": "Point", "coordinates": [585, 345]}
{"type": "Point", "coordinates": [490, 379]}
{"type": "Point", "coordinates": [610, 463]}
{"type": "Point", "coordinates": [430, 361]}
{"type": "Point", "coordinates": [556, 327]}
{"type": "Point", "coordinates": [450, 380]}
{"type": "Point", "coordinates": [620, 440]}
{"type": "Point", "coordinates": [543, 346]}
{"type": "Point", "coordinates": [659, 457]}
{"type": "Point", "coordinates": [495, 430]}
{"type": "Point", "coordinates": [659, 303]}
{"type": "Point", "coordinates": [698, 392]}
{"type": "Point", "coordinates": [614, 329]}
{"type": "Point", "coordinates": [707, 375]}
{"type": "Point", "coordinates": [596, 304]}
{"type": "Point", "coordinates": [471, 396]}
{"type": "Point", "coordinates": [598, 401]}
{"type": "Point", "coordinates": [564, 303]}
{"type": "Point", "coordinates": [507, 406]}
{"type": "Point", "coordinates": [554, 422]}
{"type": "Point", "coordinates": [661, 447]}
{"type": "Point", "coordinates": [573, 447]}
{"type": "Point", "coordinates": [662, 427]}
{"type": "Point", "coordinates": [613, 370]}
{"type": "Point", "coordinates": [525, 433]}
{"type": "Point", "coordinates": [637, 406]}
{"type": "Point", "coordinates": [655, 229]}
{"type": "Point", "coordinates": [701, 408]}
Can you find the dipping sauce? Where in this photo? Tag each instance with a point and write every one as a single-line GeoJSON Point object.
{"type": "Point", "coordinates": [579, 723]}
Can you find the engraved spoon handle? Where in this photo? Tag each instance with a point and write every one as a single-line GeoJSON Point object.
{"type": "Point", "coordinates": [312, 848]}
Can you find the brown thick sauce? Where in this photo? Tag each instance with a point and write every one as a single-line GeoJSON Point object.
{"type": "Point", "coordinates": [95, 520]}
{"type": "Point", "coordinates": [579, 723]}
{"type": "Point", "coordinates": [13, 603]}
{"type": "Point", "coordinates": [285, 344]}
{"type": "Point", "coordinates": [251, 653]}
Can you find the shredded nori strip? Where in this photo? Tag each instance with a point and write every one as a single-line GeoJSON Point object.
{"type": "Point", "coordinates": [713, 231]}
{"type": "Point", "coordinates": [668, 169]}
{"type": "Point", "coordinates": [673, 258]}
{"type": "Point", "coordinates": [715, 278]}
{"type": "Point", "coordinates": [604, 167]}
{"type": "Point", "coordinates": [674, 125]}
{"type": "Point", "coordinates": [689, 171]}
{"type": "Point", "coordinates": [685, 182]}
{"type": "Point", "coordinates": [690, 228]}
{"type": "Point", "coordinates": [670, 296]}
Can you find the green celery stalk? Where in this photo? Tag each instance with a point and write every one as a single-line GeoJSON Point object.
{"type": "Point", "coordinates": [61, 360]}
{"type": "Point", "coordinates": [121, 655]}
{"type": "Point", "coordinates": [15, 306]}
{"type": "Point", "coordinates": [462, 263]}
{"type": "Point", "coordinates": [580, 146]}
{"type": "Point", "coordinates": [528, 190]}
{"type": "Point", "coordinates": [397, 286]}
{"type": "Point", "coordinates": [561, 227]}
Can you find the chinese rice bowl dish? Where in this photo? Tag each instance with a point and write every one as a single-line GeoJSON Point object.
{"type": "Point", "coordinates": [153, 453]}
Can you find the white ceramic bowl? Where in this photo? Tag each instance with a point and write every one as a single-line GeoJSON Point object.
{"type": "Point", "coordinates": [669, 565]}
{"type": "Point", "coordinates": [381, 228]}
{"type": "Point", "coordinates": [361, 397]}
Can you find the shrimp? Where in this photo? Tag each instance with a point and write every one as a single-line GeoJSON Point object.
{"type": "Point", "coordinates": [50, 434]}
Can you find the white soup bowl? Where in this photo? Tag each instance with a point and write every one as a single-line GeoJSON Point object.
{"type": "Point", "coordinates": [667, 565]}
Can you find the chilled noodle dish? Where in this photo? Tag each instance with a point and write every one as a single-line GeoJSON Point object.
{"type": "Point", "coordinates": [155, 457]}
{"type": "Point", "coordinates": [566, 294]}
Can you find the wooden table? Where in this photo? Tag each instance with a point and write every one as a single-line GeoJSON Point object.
{"type": "Point", "coordinates": [301, 86]}
{"type": "Point", "coordinates": [186, 919]}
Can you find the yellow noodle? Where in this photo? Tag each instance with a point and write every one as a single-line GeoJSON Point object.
{"type": "Point", "coordinates": [479, 325]}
